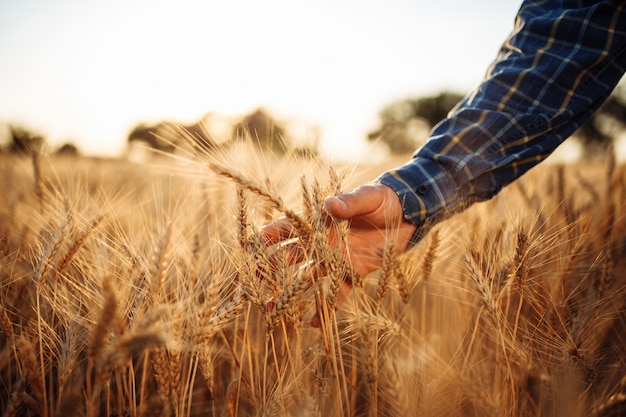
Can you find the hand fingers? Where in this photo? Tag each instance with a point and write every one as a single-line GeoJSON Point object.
{"type": "Point", "coordinates": [282, 236]}
{"type": "Point", "coordinates": [288, 252]}
{"type": "Point", "coordinates": [364, 199]}
{"type": "Point", "coordinates": [285, 247]}
{"type": "Point", "coordinates": [277, 231]}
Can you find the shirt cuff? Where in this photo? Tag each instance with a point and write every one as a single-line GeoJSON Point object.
{"type": "Point", "coordinates": [426, 191]}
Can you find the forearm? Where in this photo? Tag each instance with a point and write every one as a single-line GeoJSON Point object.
{"type": "Point", "coordinates": [551, 75]}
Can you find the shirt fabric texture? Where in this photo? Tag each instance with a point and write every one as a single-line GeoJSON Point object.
{"type": "Point", "coordinates": [557, 67]}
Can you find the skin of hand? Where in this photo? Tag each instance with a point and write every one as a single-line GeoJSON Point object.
{"type": "Point", "coordinates": [374, 214]}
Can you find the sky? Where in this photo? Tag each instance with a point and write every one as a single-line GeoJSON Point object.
{"type": "Point", "coordinates": [87, 72]}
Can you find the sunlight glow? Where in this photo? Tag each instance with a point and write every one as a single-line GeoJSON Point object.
{"type": "Point", "coordinates": [88, 72]}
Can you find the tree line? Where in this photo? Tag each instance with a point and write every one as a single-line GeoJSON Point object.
{"type": "Point", "coordinates": [403, 126]}
{"type": "Point", "coordinates": [212, 132]}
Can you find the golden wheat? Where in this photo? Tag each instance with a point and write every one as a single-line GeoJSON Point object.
{"type": "Point", "coordinates": [159, 296]}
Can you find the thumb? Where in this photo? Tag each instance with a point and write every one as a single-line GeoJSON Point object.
{"type": "Point", "coordinates": [362, 200]}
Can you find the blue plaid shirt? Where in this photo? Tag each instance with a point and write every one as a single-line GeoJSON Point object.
{"type": "Point", "coordinates": [560, 63]}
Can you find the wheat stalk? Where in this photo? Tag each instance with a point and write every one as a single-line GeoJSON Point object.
{"type": "Point", "coordinates": [609, 221]}
{"type": "Point", "coordinates": [153, 407]}
{"type": "Point", "coordinates": [36, 158]}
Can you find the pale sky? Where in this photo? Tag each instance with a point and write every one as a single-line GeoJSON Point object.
{"type": "Point", "coordinates": [89, 71]}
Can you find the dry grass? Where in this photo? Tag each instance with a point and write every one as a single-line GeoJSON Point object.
{"type": "Point", "coordinates": [130, 290]}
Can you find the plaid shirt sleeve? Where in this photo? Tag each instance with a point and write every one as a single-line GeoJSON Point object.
{"type": "Point", "coordinates": [560, 63]}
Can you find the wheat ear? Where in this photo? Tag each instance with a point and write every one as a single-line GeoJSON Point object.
{"type": "Point", "coordinates": [386, 271]}
{"type": "Point", "coordinates": [49, 251]}
{"type": "Point", "coordinates": [403, 283]}
{"type": "Point", "coordinates": [303, 280]}
{"type": "Point", "coordinates": [161, 372]}
{"type": "Point", "coordinates": [12, 407]}
{"type": "Point", "coordinates": [243, 234]}
{"type": "Point", "coordinates": [105, 323]}
{"type": "Point", "coordinates": [429, 256]}
{"type": "Point", "coordinates": [31, 370]}
{"type": "Point", "coordinates": [160, 260]}
{"type": "Point", "coordinates": [219, 318]}
{"type": "Point", "coordinates": [76, 245]}
{"type": "Point", "coordinates": [521, 273]}
{"type": "Point", "coordinates": [484, 288]}
{"type": "Point", "coordinates": [301, 226]}
{"type": "Point", "coordinates": [336, 277]}
{"type": "Point", "coordinates": [6, 325]}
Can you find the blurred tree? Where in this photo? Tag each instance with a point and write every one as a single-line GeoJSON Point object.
{"type": "Point", "coordinates": [405, 124]}
{"type": "Point", "coordinates": [605, 125]}
{"type": "Point", "coordinates": [262, 130]}
{"type": "Point", "coordinates": [169, 136]}
{"type": "Point", "coordinates": [22, 140]}
{"type": "Point", "coordinates": [159, 136]}
{"type": "Point", "coordinates": [67, 149]}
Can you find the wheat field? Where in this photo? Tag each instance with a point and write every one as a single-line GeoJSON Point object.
{"type": "Point", "coordinates": [146, 290]}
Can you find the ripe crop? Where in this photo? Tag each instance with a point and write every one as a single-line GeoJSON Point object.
{"type": "Point", "coordinates": [136, 290]}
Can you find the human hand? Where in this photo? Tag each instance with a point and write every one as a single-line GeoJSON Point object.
{"type": "Point", "coordinates": [375, 218]}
